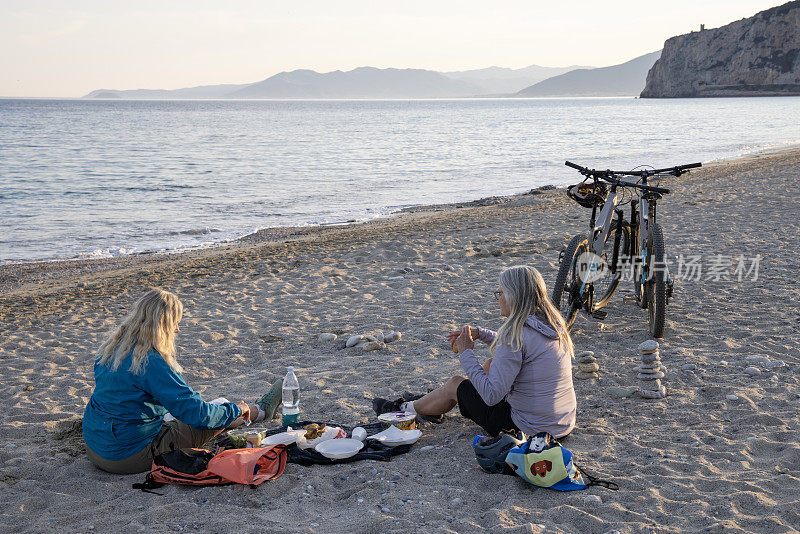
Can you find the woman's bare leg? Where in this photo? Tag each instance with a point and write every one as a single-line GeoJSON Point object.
{"type": "Point", "coordinates": [486, 365]}
{"type": "Point", "coordinates": [439, 401]}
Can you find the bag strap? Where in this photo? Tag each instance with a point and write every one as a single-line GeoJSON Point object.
{"type": "Point", "coordinates": [594, 481]}
{"type": "Point", "coordinates": [148, 485]}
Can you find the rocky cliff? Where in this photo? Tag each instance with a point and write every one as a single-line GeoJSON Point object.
{"type": "Point", "coordinates": [758, 56]}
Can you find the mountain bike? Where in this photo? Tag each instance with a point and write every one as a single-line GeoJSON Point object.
{"type": "Point", "coordinates": [592, 265]}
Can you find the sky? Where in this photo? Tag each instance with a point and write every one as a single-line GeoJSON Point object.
{"type": "Point", "coordinates": [67, 48]}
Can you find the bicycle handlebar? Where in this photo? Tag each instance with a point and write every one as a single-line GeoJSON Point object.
{"type": "Point", "coordinates": [610, 176]}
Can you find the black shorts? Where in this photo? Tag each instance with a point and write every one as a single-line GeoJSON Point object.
{"type": "Point", "coordinates": [493, 419]}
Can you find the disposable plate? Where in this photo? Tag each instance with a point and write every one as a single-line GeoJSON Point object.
{"type": "Point", "coordinates": [338, 449]}
{"type": "Point", "coordinates": [393, 436]}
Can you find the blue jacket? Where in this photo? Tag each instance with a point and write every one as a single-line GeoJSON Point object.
{"type": "Point", "coordinates": [126, 411]}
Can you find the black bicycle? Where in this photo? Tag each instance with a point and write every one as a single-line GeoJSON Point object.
{"type": "Point", "coordinates": [591, 266]}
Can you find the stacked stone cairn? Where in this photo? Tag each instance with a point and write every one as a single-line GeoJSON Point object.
{"type": "Point", "coordinates": [587, 365]}
{"type": "Point", "coordinates": [651, 371]}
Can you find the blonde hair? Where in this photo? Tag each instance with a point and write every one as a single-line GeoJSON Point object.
{"type": "Point", "coordinates": [149, 326]}
{"type": "Point", "coordinates": [526, 294]}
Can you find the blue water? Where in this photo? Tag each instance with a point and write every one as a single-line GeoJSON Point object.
{"type": "Point", "coordinates": [85, 178]}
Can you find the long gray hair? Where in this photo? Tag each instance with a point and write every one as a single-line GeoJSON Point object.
{"type": "Point", "coordinates": [526, 294]}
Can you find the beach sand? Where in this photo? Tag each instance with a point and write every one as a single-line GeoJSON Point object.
{"type": "Point", "coordinates": [695, 461]}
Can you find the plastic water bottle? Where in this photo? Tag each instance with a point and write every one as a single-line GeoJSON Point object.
{"type": "Point", "coordinates": [290, 397]}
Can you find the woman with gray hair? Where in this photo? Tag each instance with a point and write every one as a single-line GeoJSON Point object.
{"type": "Point", "coordinates": [527, 383]}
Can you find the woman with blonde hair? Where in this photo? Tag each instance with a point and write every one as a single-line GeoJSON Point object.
{"type": "Point", "coordinates": [527, 384]}
{"type": "Point", "coordinates": [138, 380]}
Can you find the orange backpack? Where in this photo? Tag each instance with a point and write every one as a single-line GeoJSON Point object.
{"type": "Point", "coordinates": [200, 467]}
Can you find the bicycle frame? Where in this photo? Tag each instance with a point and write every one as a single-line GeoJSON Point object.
{"type": "Point", "coordinates": [599, 228]}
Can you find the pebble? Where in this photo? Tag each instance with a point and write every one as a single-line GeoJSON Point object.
{"type": "Point", "coordinates": [752, 371]}
{"type": "Point", "coordinates": [652, 385]}
{"type": "Point", "coordinates": [651, 357]}
{"type": "Point", "coordinates": [621, 392]}
{"type": "Point", "coordinates": [588, 367]}
{"type": "Point", "coordinates": [732, 397]}
{"type": "Point", "coordinates": [580, 375]}
{"type": "Point", "coordinates": [427, 448]}
{"type": "Point", "coordinates": [648, 347]}
{"type": "Point", "coordinates": [587, 359]}
{"type": "Point", "coordinates": [651, 365]}
{"type": "Point", "coordinates": [385, 510]}
{"type": "Point", "coordinates": [757, 359]}
{"type": "Point", "coordinates": [592, 499]}
{"type": "Point", "coordinates": [399, 277]}
{"type": "Point", "coordinates": [689, 367]}
{"type": "Point", "coordinates": [456, 501]}
{"type": "Point", "coordinates": [327, 336]}
{"type": "Point", "coordinates": [584, 353]}
{"type": "Point", "coordinates": [373, 345]}
{"type": "Point", "coordinates": [380, 337]}
{"type": "Point", "coordinates": [352, 341]}
{"type": "Point", "coordinates": [394, 336]}
{"type": "Point", "coordinates": [370, 337]}
{"type": "Point", "coordinates": [774, 364]}
{"type": "Point", "coordinates": [650, 376]}
{"type": "Point", "coordinates": [660, 394]}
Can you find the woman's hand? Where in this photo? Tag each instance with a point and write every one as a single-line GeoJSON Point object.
{"type": "Point", "coordinates": [245, 414]}
{"type": "Point", "coordinates": [473, 333]}
{"type": "Point", "coordinates": [464, 339]}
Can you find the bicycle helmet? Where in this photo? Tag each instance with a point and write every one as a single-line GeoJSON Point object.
{"type": "Point", "coordinates": [588, 194]}
{"type": "Point", "coordinates": [491, 452]}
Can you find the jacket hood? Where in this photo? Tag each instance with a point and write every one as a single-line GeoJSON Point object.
{"type": "Point", "coordinates": [541, 326]}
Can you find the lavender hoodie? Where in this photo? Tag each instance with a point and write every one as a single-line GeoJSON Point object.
{"type": "Point", "coordinates": [536, 381]}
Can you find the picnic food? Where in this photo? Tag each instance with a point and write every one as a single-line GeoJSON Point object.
{"type": "Point", "coordinates": [473, 334]}
{"type": "Point", "coordinates": [314, 430]}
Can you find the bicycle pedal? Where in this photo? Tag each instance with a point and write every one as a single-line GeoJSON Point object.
{"type": "Point", "coordinates": [599, 314]}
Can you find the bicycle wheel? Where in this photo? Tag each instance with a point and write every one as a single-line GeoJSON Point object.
{"type": "Point", "coordinates": [607, 284]}
{"type": "Point", "coordinates": [656, 287]}
{"type": "Point", "coordinates": [563, 289]}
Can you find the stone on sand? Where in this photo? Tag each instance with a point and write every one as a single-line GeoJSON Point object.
{"type": "Point", "coordinates": [589, 367]}
{"type": "Point", "coordinates": [752, 371]}
{"type": "Point", "coordinates": [327, 336]}
{"type": "Point", "coordinates": [650, 394]}
{"type": "Point", "coordinates": [391, 338]}
{"type": "Point", "coordinates": [352, 341]}
{"type": "Point", "coordinates": [621, 392]}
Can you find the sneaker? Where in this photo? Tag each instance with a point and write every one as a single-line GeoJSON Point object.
{"type": "Point", "coordinates": [408, 396]}
{"type": "Point", "coordinates": [271, 400]}
{"type": "Point", "coordinates": [382, 406]}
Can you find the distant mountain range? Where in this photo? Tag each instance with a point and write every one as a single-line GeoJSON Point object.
{"type": "Point", "coordinates": [626, 79]}
{"type": "Point", "coordinates": [503, 81]}
{"type": "Point", "coordinates": [370, 82]}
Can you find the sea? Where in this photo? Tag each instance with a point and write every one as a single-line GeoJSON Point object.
{"type": "Point", "coordinates": [100, 178]}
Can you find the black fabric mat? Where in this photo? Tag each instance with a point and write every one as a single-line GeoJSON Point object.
{"type": "Point", "coordinates": [372, 449]}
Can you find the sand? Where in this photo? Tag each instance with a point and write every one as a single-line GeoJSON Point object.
{"type": "Point", "coordinates": [695, 461]}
